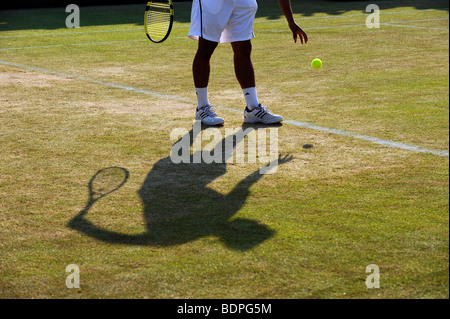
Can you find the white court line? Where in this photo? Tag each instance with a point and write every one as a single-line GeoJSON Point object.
{"type": "Point", "coordinates": [375, 140]}
{"type": "Point", "coordinates": [423, 20]}
{"type": "Point", "coordinates": [70, 44]}
{"type": "Point", "coordinates": [66, 33]}
{"type": "Point", "coordinates": [394, 24]}
{"type": "Point", "coordinates": [85, 79]}
{"type": "Point", "coordinates": [351, 15]}
{"type": "Point", "coordinates": [350, 26]}
{"type": "Point", "coordinates": [79, 32]}
{"type": "Point", "coordinates": [256, 21]}
{"type": "Point", "coordinates": [401, 24]}
{"type": "Point", "coordinates": [412, 26]}
{"type": "Point", "coordinates": [79, 44]}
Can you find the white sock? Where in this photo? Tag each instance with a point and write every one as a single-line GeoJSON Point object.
{"type": "Point", "coordinates": [250, 98]}
{"type": "Point", "coordinates": [202, 97]}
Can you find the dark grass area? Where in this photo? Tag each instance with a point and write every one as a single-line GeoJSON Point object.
{"type": "Point", "coordinates": [54, 15]}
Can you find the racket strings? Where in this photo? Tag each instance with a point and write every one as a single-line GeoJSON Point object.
{"type": "Point", "coordinates": [158, 20]}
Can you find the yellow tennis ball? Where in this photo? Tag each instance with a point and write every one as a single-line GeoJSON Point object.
{"type": "Point", "coordinates": [316, 64]}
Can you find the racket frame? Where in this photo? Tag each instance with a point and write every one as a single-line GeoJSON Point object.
{"type": "Point", "coordinates": [170, 21]}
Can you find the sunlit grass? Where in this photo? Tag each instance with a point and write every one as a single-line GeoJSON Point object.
{"type": "Point", "coordinates": [308, 231]}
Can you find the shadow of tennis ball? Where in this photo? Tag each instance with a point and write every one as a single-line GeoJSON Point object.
{"type": "Point", "coordinates": [307, 146]}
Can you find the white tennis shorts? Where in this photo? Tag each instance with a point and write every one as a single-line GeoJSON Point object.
{"type": "Point", "coordinates": [223, 20]}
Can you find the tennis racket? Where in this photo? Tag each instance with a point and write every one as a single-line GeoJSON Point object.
{"type": "Point", "coordinates": [158, 20]}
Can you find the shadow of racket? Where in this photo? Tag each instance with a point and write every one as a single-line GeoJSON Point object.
{"type": "Point", "coordinates": [103, 183]}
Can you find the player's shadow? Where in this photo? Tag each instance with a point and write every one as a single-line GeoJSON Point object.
{"type": "Point", "coordinates": [179, 207]}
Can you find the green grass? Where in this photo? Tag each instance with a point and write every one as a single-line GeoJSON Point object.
{"type": "Point", "coordinates": [308, 231]}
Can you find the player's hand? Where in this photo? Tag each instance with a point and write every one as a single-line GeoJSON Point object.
{"type": "Point", "coordinates": [297, 32]}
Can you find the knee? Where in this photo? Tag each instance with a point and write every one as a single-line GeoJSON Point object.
{"type": "Point", "coordinates": [206, 49]}
{"type": "Point", "coordinates": [242, 49]}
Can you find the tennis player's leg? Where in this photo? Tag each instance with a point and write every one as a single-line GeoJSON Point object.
{"type": "Point", "coordinates": [239, 32]}
{"type": "Point", "coordinates": [201, 66]}
{"type": "Point", "coordinates": [201, 70]}
{"type": "Point", "coordinates": [245, 74]}
{"type": "Point", "coordinates": [208, 19]}
{"type": "Point", "coordinates": [243, 65]}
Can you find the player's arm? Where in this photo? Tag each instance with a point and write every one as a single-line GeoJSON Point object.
{"type": "Point", "coordinates": [297, 32]}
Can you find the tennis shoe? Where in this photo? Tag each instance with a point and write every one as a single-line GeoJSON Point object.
{"type": "Point", "coordinates": [208, 117]}
{"type": "Point", "coordinates": [261, 114]}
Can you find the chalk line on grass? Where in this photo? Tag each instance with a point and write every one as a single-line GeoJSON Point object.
{"type": "Point", "coordinates": [393, 24]}
{"type": "Point", "coordinates": [68, 33]}
{"type": "Point", "coordinates": [375, 140]}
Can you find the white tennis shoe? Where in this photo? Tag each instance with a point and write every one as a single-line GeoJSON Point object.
{"type": "Point", "coordinates": [208, 117]}
{"type": "Point", "coordinates": [261, 114]}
